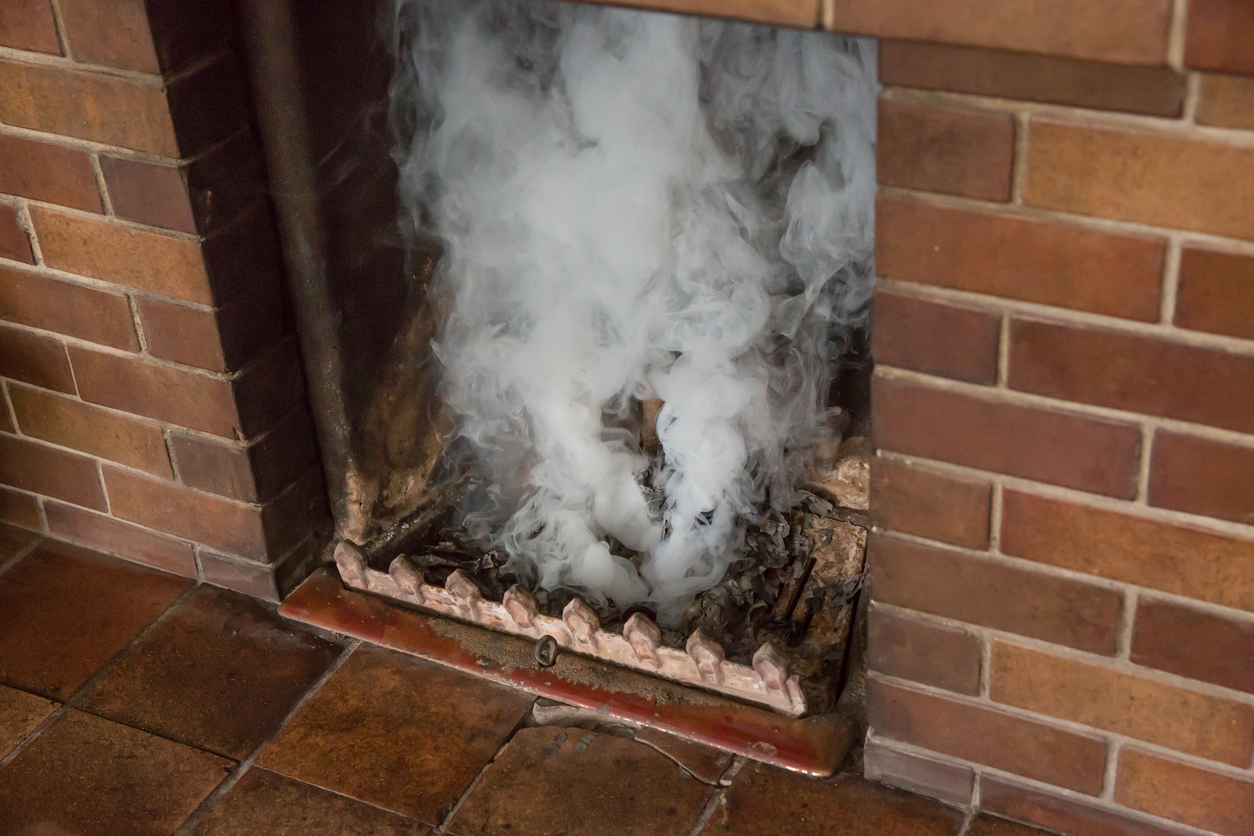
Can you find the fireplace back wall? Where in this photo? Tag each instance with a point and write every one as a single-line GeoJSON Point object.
{"type": "Point", "coordinates": [1062, 576]}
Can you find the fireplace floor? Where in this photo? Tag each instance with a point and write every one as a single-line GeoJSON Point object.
{"type": "Point", "coordinates": [135, 701]}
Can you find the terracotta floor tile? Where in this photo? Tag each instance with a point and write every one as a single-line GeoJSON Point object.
{"type": "Point", "coordinates": [984, 825]}
{"type": "Point", "coordinates": [265, 803]}
{"type": "Point", "coordinates": [87, 775]}
{"type": "Point", "coordinates": [65, 611]}
{"type": "Point", "coordinates": [765, 801]}
{"type": "Point", "coordinates": [20, 714]}
{"type": "Point", "coordinates": [13, 540]}
{"type": "Point", "coordinates": [704, 763]}
{"type": "Point", "coordinates": [571, 782]}
{"type": "Point", "coordinates": [220, 672]}
{"type": "Point", "coordinates": [397, 732]}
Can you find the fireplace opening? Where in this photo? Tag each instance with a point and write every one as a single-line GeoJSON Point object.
{"type": "Point", "coordinates": [680, 210]}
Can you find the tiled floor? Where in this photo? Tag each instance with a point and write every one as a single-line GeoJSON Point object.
{"type": "Point", "coordinates": [135, 703]}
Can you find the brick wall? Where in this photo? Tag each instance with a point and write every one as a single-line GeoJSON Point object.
{"type": "Point", "coordinates": [152, 397]}
{"type": "Point", "coordinates": [1062, 627]}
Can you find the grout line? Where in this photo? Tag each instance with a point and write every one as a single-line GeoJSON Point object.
{"type": "Point", "coordinates": [126, 223]}
{"type": "Point", "coordinates": [1112, 769]}
{"type": "Point", "coordinates": [28, 226]}
{"type": "Point", "coordinates": [1123, 641]}
{"type": "Point", "coordinates": [100, 674]}
{"type": "Point", "coordinates": [58, 23]}
{"type": "Point", "coordinates": [243, 766]}
{"type": "Point", "coordinates": [1003, 351]}
{"type": "Point", "coordinates": [1143, 465]}
{"type": "Point", "coordinates": [105, 199]}
{"type": "Point", "coordinates": [716, 797]}
{"type": "Point", "coordinates": [6, 402]}
{"type": "Point", "coordinates": [1170, 283]}
{"type": "Point", "coordinates": [1176, 23]}
{"type": "Point", "coordinates": [443, 826]}
{"type": "Point", "coordinates": [1192, 97]}
{"type": "Point", "coordinates": [986, 663]}
{"type": "Point", "coordinates": [1019, 167]}
{"type": "Point", "coordinates": [996, 504]}
{"type": "Point", "coordinates": [68, 62]}
{"type": "Point", "coordinates": [22, 552]}
{"type": "Point", "coordinates": [104, 489]}
{"type": "Point", "coordinates": [139, 328]}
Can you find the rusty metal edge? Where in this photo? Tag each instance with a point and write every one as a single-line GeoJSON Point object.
{"type": "Point", "coordinates": [813, 745]}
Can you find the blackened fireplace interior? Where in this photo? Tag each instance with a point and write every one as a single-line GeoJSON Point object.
{"type": "Point", "coordinates": [774, 634]}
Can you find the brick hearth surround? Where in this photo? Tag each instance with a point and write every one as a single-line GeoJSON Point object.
{"type": "Point", "coordinates": [1062, 626]}
{"type": "Point", "coordinates": [153, 399]}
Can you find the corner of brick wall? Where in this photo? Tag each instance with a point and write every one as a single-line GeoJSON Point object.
{"type": "Point", "coordinates": [1062, 571]}
{"type": "Point", "coordinates": [153, 401]}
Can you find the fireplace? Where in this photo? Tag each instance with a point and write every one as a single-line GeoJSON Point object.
{"type": "Point", "coordinates": [1057, 610]}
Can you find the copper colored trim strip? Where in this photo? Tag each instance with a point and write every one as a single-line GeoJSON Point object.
{"type": "Point", "coordinates": [814, 745]}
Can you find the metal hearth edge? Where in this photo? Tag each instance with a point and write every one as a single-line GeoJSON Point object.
{"type": "Point", "coordinates": [812, 745]}
{"type": "Point", "coordinates": [701, 664]}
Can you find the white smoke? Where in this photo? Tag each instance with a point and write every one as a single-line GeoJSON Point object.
{"type": "Point", "coordinates": [636, 205]}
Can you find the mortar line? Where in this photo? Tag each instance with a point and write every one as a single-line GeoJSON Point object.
{"type": "Point", "coordinates": [28, 226]}
{"type": "Point", "coordinates": [1019, 167]}
{"type": "Point", "coordinates": [237, 772]}
{"type": "Point", "coordinates": [1123, 640]}
{"type": "Point", "coordinates": [22, 552]}
{"type": "Point", "coordinates": [443, 825]}
{"type": "Point", "coordinates": [1003, 350]}
{"type": "Point", "coordinates": [6, 401]}
{"type": "Point", "coordinates": [63, 41]}
{"type": "Point", "coordinates": [1171, 281]}
{"type": "Point", "coordinates": [1192, 96]}
{"type": "Point", "coordinates": [139, 327]}
{"type": "Point", "coordinates": [1109, 774]}
{"type": "Point", "coordinates": [995, 509]}
{"type": "Point", "coordinates": [1175, 34]}
{"type": "Point", "coordinates": [1144, 464]}
{"type": "Point", "coordinates": [716, 797]}
{"type": "Point", "coordinates": [101, 673]}
{"type": "Point", "coordinates": [105, 199]}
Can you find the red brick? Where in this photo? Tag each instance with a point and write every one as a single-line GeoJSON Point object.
{"type": "Point", "coordinates": [953, 341]}
{"type": "Point", "coordinates": [181, 38]}
{"type": "Point", "coordinates": [1019, 258]}
{"type": "Point", "coordinates": [34, 359]}
{"type": "Point", "coordinates": [270, 388]}
{"type": "Point", "coordinates": [209, 104]}
{"type": "Point", "coordinates": [1226, 101]}
{"type": "Point", "coordinates": [176, 510]}
{"type": "Point", "coordinates": [222, 341]}
{"type": "Point", "coordinates": [1046, 445]}
{"type": "Point", "coordinates": [937, 506]}
{"type": "Point", "coordinates": [1181, 792]}
{"type": "Point", "coordinates": [1004, 74]}
{"type": "Point", "coordinates": [14, 241]}
{"type": "Point", "coordinates": [934, 654]}
{"type": "Point", "coordinates": [6, 423]}
{"type": "Point", "coordinates": [291, 516]}
{"type": "Point", "coordinates": [1132, 372]}
{"type": "Point", "coordinates": [40, 469]}
{"type": "Point", "coordinates": [1173, 558]}
{"type": "Point", "coordinates": [987, 736]}
{"type": "Point", "coordinates": [148, 193]}
{"type": "Point", "coordinates": [1178, 718]}
{"type": "Point", "coordinates": [1218, 35]}
{"type": "Point", "coordinates": [249, 473]}
{"type": "Point", "coordinates": [20, 509]}
{"type": "Point", "coordinates": [29, 25]}
{"type": "Point", "coordinates": [962, 152]}
{"type": "Point", "coordinates": [67, 308]}
{"type": "Point", "coordinates": [1149, 177]}
{"type": "Point", "coordinates": [113, 536]}
{"type": "Point", "coordinates": [191, 400]}
{"type": "Point", "coordinates": [135, 258]}
{"type": "Point", "coordinates": [226, 182]}
{"type": "Point", "coordinates": [994, 594]}
{"type": "Point", "coordinates": [1194, 644]}
{"type": "Point", "coordinates": [1126, 31]}
{"type": "Point", "coordinates": [114, 34]}
{"type": "Point", "coordinates": [948, 782]}
{"type": "Point", "coordinates": [1063, 814]}
{"type": "Point", "coordinates": [50, 173]}
{"type": "Point", "coordinates": [108, 109]}
{"type": "Point", "coordinates": [243, 256]}
{"type": "Point", "coordinates": [1204, 477]}
{"type": "Point", "coordinates": [69, 422]}
{"type": "Point", "coordinates": [1216, 292]}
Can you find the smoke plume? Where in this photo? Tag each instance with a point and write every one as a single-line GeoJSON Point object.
{"type": "Point", "coordinates": [634, 205]}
